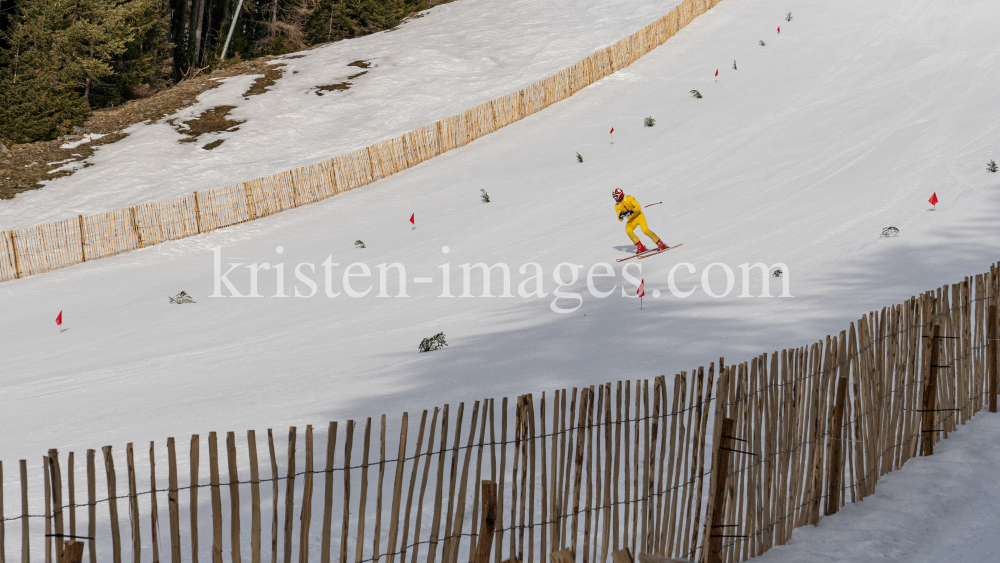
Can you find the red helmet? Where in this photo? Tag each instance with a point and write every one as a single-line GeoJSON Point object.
{"type": "Point", "coordinates": [618, 194]}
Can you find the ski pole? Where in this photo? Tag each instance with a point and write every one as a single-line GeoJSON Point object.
{"type": "Point", "coordinates": [652, 204]}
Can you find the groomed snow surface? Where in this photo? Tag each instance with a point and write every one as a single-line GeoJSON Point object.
{"type": "Point", "coordinates": [842, 125]}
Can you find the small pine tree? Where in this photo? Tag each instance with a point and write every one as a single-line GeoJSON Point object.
{"type": "Point", "coordinates": [889, 232]}
{"type": "Point", "coordinates": [435, 342]}
{"type": "Point", "coordinates": [181, 298]}
{"type": "Point", "coordinates": [777, 273]}
{"type": "Point", "coordinates": [649, 122]}
{"type": "Point", "coordinates": [484, 196]}
{"type": "Point", "coordinates": [762, 44]}
{"type": "Point", "coordinates": [991, 166]}
{"type": "Point", "coordinates": [788, 17]}
{"type": "Point", "coordinates": [359, 243]}
{"type": "Point", "coordinates": [579, 158]}
{"type": "Point", "coordinates": [734, 65]}
{"type": "Point", "coordinates": [696, 94]}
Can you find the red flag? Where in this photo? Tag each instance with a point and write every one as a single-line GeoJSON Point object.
{"type": "Point", "coordinates": [412, 217]}
{"type": "Point", "coordinates": [933, 199]}
{"type": "Point", "coordinates": [779, 29]}
{"type": "Point", "coordinates": [59, 319]}
{"type": "Point", "coordinates": [612, 130]}
{"type": "Point", "coordinates": [642, 288]}
{"type": "Point", "coordinates": [716, 72]}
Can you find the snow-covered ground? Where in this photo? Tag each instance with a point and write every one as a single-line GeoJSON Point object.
{"type": "Point", "coordinates": [455, 57]}
{"type": "Point", "coordinates": [842, 125]}
{"type": "Point", "coordinates": [939, 508]}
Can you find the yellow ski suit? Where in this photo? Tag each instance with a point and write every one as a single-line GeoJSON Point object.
{"type": "Point", "coordinates": [637, 219]}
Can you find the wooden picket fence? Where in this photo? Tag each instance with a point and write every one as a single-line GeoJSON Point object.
{"type": "Point", "coordinates": [42, 248]}
{"type": "Point", "coordinates": [716, 465]}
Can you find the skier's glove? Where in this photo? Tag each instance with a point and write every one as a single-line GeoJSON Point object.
{"type": "Point", "coordinates": [624, 214]}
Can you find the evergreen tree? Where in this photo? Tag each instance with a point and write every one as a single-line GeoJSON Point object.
{"type": "Point", "coordinates": [59, 58]}
{"type": "Point", "coordinates": [39, 73]}
{"type": "Point", "coordinates": [340, 19]}
{"type": "Point", "coordinates": [143, 63]}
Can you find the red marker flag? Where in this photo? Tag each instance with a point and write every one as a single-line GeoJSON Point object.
{"type": "Point", "coordinates": [412, 217]}
{"type": "Point", "coordinates": [612, 130]}
{"type": "Point", "coordinates": [779, 29]}
{"type": "Point", "coordinates": [933, 200]}
{"type": "Point", "coordinates": [59, 318]}
{"type": "Point", "coordinates": [642, 288]}
{"type": "Point", "coordinates": [716, 73]}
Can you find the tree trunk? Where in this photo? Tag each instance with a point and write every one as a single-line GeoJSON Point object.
{"type": "Point", "coordinates": [200, 15]}
{"type": "Point", "coordinates": [208, 33]}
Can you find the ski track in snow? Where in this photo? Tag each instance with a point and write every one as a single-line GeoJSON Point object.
{"type": "Point", "coordinates": [842, 125]}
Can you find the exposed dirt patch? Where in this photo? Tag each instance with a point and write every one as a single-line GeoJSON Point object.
{"type": "Point", "coordinates": [271, 75]}
{"type": "Point", "coordinates": [210, 121]}
{"type": "Point", "coordinates": [213, 144]}
{"type": "Point", "coordinates": [360, 64]}
{"type": "Point", "coordinates": [320, 90]}
{"type": "Point", "coordinates": [23, 167]}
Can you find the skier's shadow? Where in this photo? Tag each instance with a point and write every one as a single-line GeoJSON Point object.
{"type": "Point", "coordinates": [629, 248]}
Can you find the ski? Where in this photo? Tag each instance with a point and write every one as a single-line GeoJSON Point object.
{"type": "Point", "coordinates": [647, 253]}
{"type": "Point", "coordinates": [652, 252]}
{"type": "Point", "coordinates": [639, 255]}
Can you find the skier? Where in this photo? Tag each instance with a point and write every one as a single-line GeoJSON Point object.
{"type": "Point", "coordinates": [627, 206]}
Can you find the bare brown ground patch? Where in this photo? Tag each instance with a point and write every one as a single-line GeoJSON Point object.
{"type": "Point", "coordinates": [210, 121]}
{"type": "Point", "coordinates": [271, 75]}
{"type": "Point", "coordinates": [320, 90]}
{"type": "Point", "coordinates": [213, 144]}
{"type": "Point", "coordinates": [23, 167]}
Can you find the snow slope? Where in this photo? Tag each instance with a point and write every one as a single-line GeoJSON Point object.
{"type": "Point", "coordinates": [938, 508]}
{"type": "Point", "coordinates": [455, 57]}
{"type": "Point", "coordinates": [842, 125]}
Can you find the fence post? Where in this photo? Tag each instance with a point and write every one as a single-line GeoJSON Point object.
{"type": "Point", "coordinates": [25, 536]}
{"type": "Point", "coordinates": [991, 355]}
{"type": "Point", "coordinates": [716, 551]}
{"type": "Point", "coordinates": [722, 395]}
{"type": "Point", "coordinates": [83, 239]}
{"type": "Point", "coordinates": [488, 522]}
{"type": "Point", "coordinates": [91, 506]}
{"type": "Point", "coordinates": [836, 456]}
{"type": "Point", "coordinates": [371, 165]}
{"type": "Point", "coordinates": [251, 208]}
{"type": "Point", "coordinates": [55, 477]}
{"type": "Point", "coordinates": [109, 465]}
{"type": "Point", "coordinates": [173, 504]}
{"type": "Point", "coordinates": [72, 552]}
{"type": "Point", "coordinates": [929, 403]}
{"type": "Point", "coordinates": [197, 212]}
{"type": "Point", "coordinates": [135, 227]}
{"type": "Point", "coordinates": [13, 253]}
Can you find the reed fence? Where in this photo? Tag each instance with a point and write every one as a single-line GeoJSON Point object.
{"type": "Point", "coordinates": [42, 248]}
{"type": "Point", "coordinates": [716, 465]}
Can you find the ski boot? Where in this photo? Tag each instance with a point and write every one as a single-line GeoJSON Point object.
{"type": "Point", "coordinates": [660, 245]}
{"type": "Point", "coordinates": [639, 248]}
